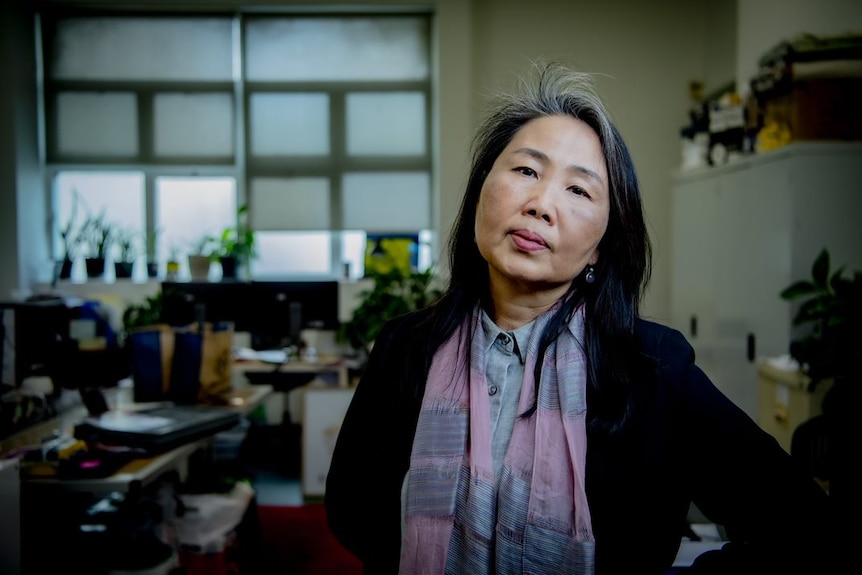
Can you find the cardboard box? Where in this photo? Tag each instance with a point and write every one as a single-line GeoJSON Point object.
{"type": "Point", "coordinates": [819, 109]}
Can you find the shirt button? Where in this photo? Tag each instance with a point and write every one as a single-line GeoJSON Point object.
{"type": "Point", "coordinates": [504, 338]}
{"type": "Point", "coordinates": [492, 390]}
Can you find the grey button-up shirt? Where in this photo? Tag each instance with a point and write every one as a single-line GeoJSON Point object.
{"type": "Point", "coordinates": [504, 372]}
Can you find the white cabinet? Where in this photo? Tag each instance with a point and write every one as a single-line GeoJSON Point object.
{"type": "Point", "coordinates": [324, 408]}
{"type": "Point", "coordinates": [740, 234]}
{"type": "Point", "coordinates": [786, 402]}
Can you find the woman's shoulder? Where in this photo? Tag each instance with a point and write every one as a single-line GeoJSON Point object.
{"type": "Point", "coordinates": [403, 333]}
{"type": "Point", "coordinates": [653, 334]}
{"type": "Point", "coordinates": [408, 324]}
{"type": "Point", "coordinates": [665, 344]}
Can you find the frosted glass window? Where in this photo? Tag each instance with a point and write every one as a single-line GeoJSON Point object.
{"type": "Point", "coordinates": [352, 48]}
{"type": "Point", "coordinates": [289, 124]}
{"type": "Point", "coordinates": [97, 124]}
{"type": "Point", "coordinates": [186, 49]}
{"type": "Point", "coordinates": [188, 209]}
{"type": "Point", "coordinates": [310, 116]}
{"type": "Point", "coordinates": [386, 202]}
{"type": "Point", "coordinates": [117, 197]}
{"type": "Point", "coordinates": [391, 123]}
{"type": "Point", "coordinates": [290, 253]}
{"type": "Point", "coordinates": [193, 125]}
{"type": "Point", "coordinates": [290, 204]}
{"type": "Point", "coordinates": [426, 259]}
{"type": "Point", "coordinates": [353, 254]}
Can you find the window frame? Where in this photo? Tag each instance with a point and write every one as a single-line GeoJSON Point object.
{"type": "Point", "coordinates": [241, 165]}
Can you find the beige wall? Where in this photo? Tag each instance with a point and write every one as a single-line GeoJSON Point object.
{"type": "Point", "coordinates": [23, 224]}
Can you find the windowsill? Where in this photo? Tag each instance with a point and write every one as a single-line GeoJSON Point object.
{"type": "Point", "coordinates": [120, 294]}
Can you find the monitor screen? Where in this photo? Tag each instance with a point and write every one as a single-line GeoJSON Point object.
{"type": "Point", "coordinates": [282, 309]}
{"type": "Point", "coordinates": [273, 312]}
{"type": "Point", "coordinates": [185, 303]}
{"type": "Point", "coordinates": [34, 334]}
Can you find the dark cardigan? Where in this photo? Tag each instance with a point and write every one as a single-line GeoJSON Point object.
{"type": "Point", "coordinates": [686, 443]}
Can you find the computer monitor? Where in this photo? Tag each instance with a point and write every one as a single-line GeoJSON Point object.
{"type": "Point", "coordinates": [273, 312]}
{"type": "Point", "coordinates": [34, 335]}
{"type": "Point", "coordinates": [282, 309]}
{"type": "Point", "coordinates": [184, 303]}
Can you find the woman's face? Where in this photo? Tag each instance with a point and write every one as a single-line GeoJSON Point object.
{"type": "Point", "coordinates": [544, 206]}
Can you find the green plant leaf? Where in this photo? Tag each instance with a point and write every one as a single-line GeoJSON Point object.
{"type": "Point", "coordinates": [820, 269]}
{"type": "Point", "coordinates": [148, 312]}
{"type": "Point", "coordinates": [831, 347]}
{"type": "Point", "coordinates": [799, 289]}
{"type": "Point", "coordinates": [837, 279]}
{"type": "Point", "coordinates": [237, 241]}
{"type": "Point", "coordinates": [811, 310]}
{"type": "Point", "coordinates": [392, 293]}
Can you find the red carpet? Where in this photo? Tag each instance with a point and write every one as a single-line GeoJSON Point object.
{"type": "Point", "coordinates": [296, 540]}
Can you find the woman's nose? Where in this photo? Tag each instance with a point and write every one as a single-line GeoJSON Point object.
{"type": "Point", "coordinates": [540, 202]}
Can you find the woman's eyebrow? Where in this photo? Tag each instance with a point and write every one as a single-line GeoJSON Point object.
{"type": "Point", "coordinates": [543, 157]}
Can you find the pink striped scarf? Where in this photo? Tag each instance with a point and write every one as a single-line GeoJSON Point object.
{"type": "Point", "coordinates": [536, 520]}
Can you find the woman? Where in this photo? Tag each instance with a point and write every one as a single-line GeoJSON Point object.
{"type": "Point", "coordinates": [529, 421]}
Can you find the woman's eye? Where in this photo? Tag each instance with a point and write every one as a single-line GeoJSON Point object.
{"type": "Point", "coordinates": [526, 171]}
{"type": "Point", "coordinates": [580, 191]}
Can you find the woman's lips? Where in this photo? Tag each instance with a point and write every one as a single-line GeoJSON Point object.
{"type": "Point", "coordinates": [528, 241]}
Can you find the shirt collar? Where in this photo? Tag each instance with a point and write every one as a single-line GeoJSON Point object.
{"type": "Point", "coordinates": [521, 335]}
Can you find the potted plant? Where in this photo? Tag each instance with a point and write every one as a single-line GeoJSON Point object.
{"type": "Point", "coordinates": [152, 254]}
{"type": "Point", "coordinates": [237, 247]}
{"type": "Point", "coordinates": [95, 234]}
{"type": "Point", "coordinates": [128, 252]}
{"type": "Point", "coordinates": [829, 349]}
{"type": "Point", "coordinates": [200, 258]}
{"type": "Point", "coordinates": [393, 292]}
{"type": "Point", "coordinates": [70, 240]}
{"type": "Point", "coordinates": [172, 266]}
{"type": "Point", "coordinates": [829, 345]}
{"type": "Point", "coordinates": [146, 313]}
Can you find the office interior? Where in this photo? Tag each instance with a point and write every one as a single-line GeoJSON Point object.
{"type": "Point", "coordinates": [645, 55]}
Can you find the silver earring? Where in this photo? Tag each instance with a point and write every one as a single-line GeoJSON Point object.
{"type": "Point", "coordinates": [590, 276]}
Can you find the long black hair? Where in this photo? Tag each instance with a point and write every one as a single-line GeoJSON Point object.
{"type": "Point", "coordinates": [622, 272]}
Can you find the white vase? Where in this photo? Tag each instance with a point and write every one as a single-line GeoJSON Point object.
{"type": "Point", "coordinates": [199, 267]}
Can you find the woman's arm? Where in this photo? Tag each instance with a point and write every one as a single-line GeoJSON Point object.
{"type": "Point", "coordinates": [777, 519]}
{"type": "Point", "coordinates": [371, 455]}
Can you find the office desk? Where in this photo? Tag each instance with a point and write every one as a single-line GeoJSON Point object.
{"type": "Point", "coordinates": [136, 474]}
{"type": "Point", "coordinates": [289, 379]}
{"type": "Point", "coordinates": [294, 373]}
{"type": "Point", "coordinates": [50, 506]}
{"type": "Point", "coordinates": [323, 390]}
{"type": "Point", "coordinates": [139, 473]}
